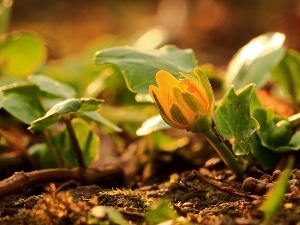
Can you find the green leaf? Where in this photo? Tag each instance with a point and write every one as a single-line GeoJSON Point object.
{"type": "Point", "coordinates": [276, 134]}
{"type": "Point", "coordinates": [275, 195]}
{"type": "Point", "coordinates": [286, 74]}
{"type": "Point", "coordinates": [152, 124]}
{"type": "Point", "coordinates": [43, 156]}
{"type": "Point", "coordinates": [22, 107]}
{"type": "Point", "coordinates": [161, 213]}
{"type": "Point", "coordinates": [65, 107]}
{"type": "Point", "coordinates": [1, 99]}
{"type": "Point", "coordinates": [88, 141]}
{"type": "Point", "coordinates": [139, 67]}
{"type": "Point", "coordinates": [233, 119]}
{"type": "Point", "coordinates": [22, 88]}
{"type": "Point", "coordinates": [255, 61]}
{"type": "Point", "coordinates": [267, 159]}
{"type": "Point", "coordinates": [52, 87]}
{"type": "Point", "coordinates": [113, 215]}
{"type": "Point", "coordinates": [94, 115]}
{"type": "Point", "coordinates": [21, 53]}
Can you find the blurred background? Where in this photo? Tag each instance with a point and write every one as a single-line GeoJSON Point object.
{"type": "Point", "coordinates": [214, 29]}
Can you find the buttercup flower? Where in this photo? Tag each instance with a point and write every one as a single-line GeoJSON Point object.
{"type": "Point", "coordinates": [185, 103]}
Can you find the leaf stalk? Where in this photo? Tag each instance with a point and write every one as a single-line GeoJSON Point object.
{"type": "Point", "coordinates": [74, 141]}
{"type": "Point", "coordinates": [225, 153]}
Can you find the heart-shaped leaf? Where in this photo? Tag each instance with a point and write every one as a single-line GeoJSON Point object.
{"type": "Point", "coordinates": [65, 107]}
{"type": "Point", "coordinates": [276, 135]}
{"type": "Point", "coordinates": [255, 61]}
{"type": "Point", "coordinates": [286, 75]}
{"type": "Point", "coordinates": [52, 87]}
{"type": "Point", "coordinates": [152, 124]}
{"type": "Point", "coordinates": [233, 119]}
{"type": "Point", "coordinates": [22, 107]}
{"type": "Point", "coordinates": [94, 115]}
{"type": "Point", "coordinates": [139, 66]}
{"type": "Point", "coordinates": [21, 53]}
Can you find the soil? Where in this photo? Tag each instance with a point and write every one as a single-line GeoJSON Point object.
{"type": "Point", "coordinates": [216, 197]}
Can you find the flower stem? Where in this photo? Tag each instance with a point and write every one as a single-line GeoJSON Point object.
{"type": "Point", "coordinates": [225, 153]}
{"type": "Point", "coordinates": [74, 141]}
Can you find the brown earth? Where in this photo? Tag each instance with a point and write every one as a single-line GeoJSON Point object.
{"type": "Point", "coordinates": [216, 197]}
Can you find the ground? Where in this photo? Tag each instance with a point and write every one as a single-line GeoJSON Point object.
{"type": "Point", "coordinates": [217, 197]}
{"type": "Point", "coordinates": [191, 196]}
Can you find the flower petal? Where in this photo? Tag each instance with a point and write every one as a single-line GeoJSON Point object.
{"type": "Point", "coordinates": [165, 81]}
{"type": "Point", "coordinates": [179, 99]}
{"type": "Point", "coordinates": [163, 106]}
{"type": "Point", "coordinates": [178, 116]}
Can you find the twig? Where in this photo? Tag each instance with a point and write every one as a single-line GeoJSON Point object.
{"type": "Point", "coordinates": [228, 190]}
{"type": "Point", "coordinates": [21, 181]}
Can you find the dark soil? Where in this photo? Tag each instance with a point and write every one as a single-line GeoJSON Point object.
{"type": "Point", "coordinates": [191, 197]}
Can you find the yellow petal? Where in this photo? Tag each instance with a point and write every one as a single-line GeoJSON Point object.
{"type": "Point", "coordinates": [178, 116]}
{"type": "Point", "coordinates": [200, 85]}
{"type": "Point", "coordinates": [206, 85]}
{"type": "Point", "coordinates": [165, 81]}
{"type": "Point", "coordinates": [179, 99]}
{"type": "Point", "coordinates": [163, 106]}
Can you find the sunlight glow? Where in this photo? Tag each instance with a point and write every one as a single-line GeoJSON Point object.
{"type": "Point", "coordinates": [152, 38]}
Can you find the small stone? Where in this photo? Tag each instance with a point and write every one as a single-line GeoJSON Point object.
{"type": "Point", "coordinates": [260, 188]}
{"type": "Point", "coordinates": [293, 182]}
{"type": "Point", "coordinates": [266, 177]}
{"type": "Point", "coordinates": [242, 221]}
{"type": "Point", "coordinates": [293, 189]}
{"type": "Point", "coordinates": [269, 186]}
{"type": "Point", "coordinates": [275, 174]}
{"type": "Point", "coordinates": [249, 184]}
{"type": "Point", "coordinates": [187, 204]}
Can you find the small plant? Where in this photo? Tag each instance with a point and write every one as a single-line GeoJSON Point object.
{"type": "Point", "coordinates": [239, 125]}
{"type": "Point", "coordinates": [52, 112]}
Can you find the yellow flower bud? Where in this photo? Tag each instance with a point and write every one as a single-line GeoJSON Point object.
{"type": "Point", "coordinates": [185, 103]}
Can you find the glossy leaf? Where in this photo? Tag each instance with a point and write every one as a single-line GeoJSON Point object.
{"type": "Point", "coordinates": [276, 134]}
{"type": "Point", "coordinates": [233, 119]}
{"type": "Point", "coordinates": [152, 124]}
{"type": "Point", "coordinates": [114, 215]}
{"type": "Point", "coordinates": [163, 212]}
{"type": "Point", "coordinates": [275, 195]}
{"type": "Point", "coordinates": [286, 74]}
{"type": "Point", "coordinates": [267, 158]}
{"type": "Point", "coordinates": [22, 88]}
{"type": "Point", "coordinates": [255, 61]}
{"type": "Point", "coordinates": [139, 66]}
{"type": "Point", "coordinates": [52, 87]}
{"type": "Point", "coordinates": [88, 141]}
{"type": "Point", "coordinates": [43, 156]}
{"type": "Point", "coordinates": [94, 115]}
{"type": "Point", "coordinates": [21, 53]}
{"type": "Point", "coordinates": [65, 107]}
{"type": "Point", "coordinates": [22, 107]}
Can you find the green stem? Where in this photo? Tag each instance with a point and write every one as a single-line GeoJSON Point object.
{"type": "Point", "coordinates": [57, 158]}
{"type": "Point", "coordinates": [225, 153]}
{"type": "Point", "coordinates": [74, 141]}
